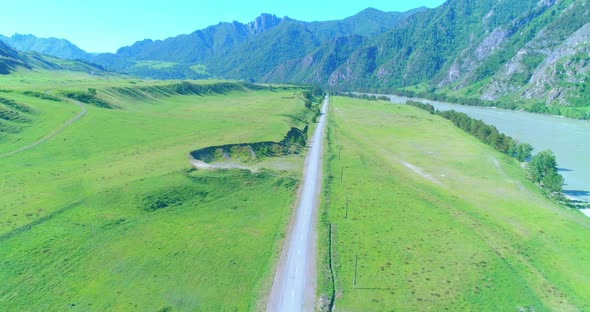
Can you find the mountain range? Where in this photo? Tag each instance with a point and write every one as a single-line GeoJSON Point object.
{"type": "Point", "coordinates": [12, 60]}
{"type": "Point", "coordinates": [50, 46]}
{"type": "Point", "coordinates": [534, 52]}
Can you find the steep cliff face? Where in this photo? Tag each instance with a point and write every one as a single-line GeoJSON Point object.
{"type": "Point", "coordinates": [552, 66]}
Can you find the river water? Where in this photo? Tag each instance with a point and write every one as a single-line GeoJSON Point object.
{"type": "Point", "coordinates": [569, 139]}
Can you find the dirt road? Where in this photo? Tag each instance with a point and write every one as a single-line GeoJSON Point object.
{"type": "Point", "coordinates": [294, 284]}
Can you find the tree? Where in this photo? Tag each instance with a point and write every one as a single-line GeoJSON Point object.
{"type": "Point", "coordinates": [523, 151]}
{"type": "Point", "coordinates": [512, 148]}
{"type": "Point", "coordinates": [541, 165]}
{"type": "Point", "coordinates": [553, 181]}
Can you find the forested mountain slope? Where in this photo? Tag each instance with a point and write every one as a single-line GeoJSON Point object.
{"type": "Point", "coordinates": [531, 54]}
{"type": "Point", "coordinates": [535, 52]}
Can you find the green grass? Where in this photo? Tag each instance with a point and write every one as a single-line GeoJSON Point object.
{"type": "Point", "coordinates": [154, 64]}
{"type": "Point", "coordinates": [200, 69]}
{"type": "Point", "coordinates": [46, 117]}
{"type": "Point", "coordinates": [210, 251]}
{"type": "Point", "coordinates": [439, 221]}
{"type": "Point", "coordinates": [108, 216]}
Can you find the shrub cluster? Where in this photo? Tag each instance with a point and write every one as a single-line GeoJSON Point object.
{"type": "Point", "coordinates": [17, 106]}
{"type": "Point", "coordinates": [88, 97]}
{"type": "Point", "coordinates": [42, 95]}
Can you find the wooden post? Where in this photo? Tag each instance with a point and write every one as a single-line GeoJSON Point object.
{"type": "Point", "coordinates": [341, 173]}
{"type": "Point", "coordinates": [356, 261]}
{"type": "Point", "coordinates": [347, 198]}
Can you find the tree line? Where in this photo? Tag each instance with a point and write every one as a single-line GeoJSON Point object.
{"type": "Point", "coordinates": [542, 167]}
{"type": "Point", "coordinates": [571, 111]}
{"type": "Point", "coordinates": [362, 96]}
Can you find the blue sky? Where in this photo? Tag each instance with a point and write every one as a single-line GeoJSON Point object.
{"type": "Point", "coordinates": [106, 25]}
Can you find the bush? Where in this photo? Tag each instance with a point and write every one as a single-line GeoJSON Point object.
{"type": "Point", "coordinates": [541, 165]}
{"type": "Point", "coordinates": [88, 97]}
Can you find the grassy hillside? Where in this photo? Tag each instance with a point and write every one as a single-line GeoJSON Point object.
{"type": "Point", "coordinates": [31, 116]}
{"type": "Point", "coordinates": [108, 214]}
{"type": "Point", "coordinates": [439, 221]}
{"type": "Point", "coordinates": [12, 61]}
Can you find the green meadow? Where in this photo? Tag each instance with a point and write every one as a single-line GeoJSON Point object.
{"type": "Point", "coordinates": [424, 217]}
{"type": "Point", "coordinates": [108, 215]}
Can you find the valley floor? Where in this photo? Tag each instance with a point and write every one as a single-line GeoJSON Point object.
{"type": "Point", "coordinates": [423, 216]}
{"type": "Point", "coordinates": [109, 215]}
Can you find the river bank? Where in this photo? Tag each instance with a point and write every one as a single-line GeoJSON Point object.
{"type": "Point", "coordinates": [569, 139]}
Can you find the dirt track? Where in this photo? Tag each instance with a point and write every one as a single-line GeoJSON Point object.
{"type": "Point", "coordinates": [52, 134]}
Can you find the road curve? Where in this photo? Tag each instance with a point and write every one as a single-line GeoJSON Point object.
{"type": "Point", "coordinates": [52, 134]}
{"type": "Point", "coordinates": [294, 283]}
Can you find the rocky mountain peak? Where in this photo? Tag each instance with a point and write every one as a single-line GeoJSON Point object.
{"type": "Point", "coordinates": [263, 23]}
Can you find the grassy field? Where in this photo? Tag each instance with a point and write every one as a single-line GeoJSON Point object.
{"type": "Point", "coordinates": [108, 215]}
{"type": "Point", "coordinates": [45, 116]}
{"type": "Point", "coordinates": [438, 221]}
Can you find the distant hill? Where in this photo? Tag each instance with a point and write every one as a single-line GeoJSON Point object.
{"type": "Point", "coordinates": [12, 60]}
{"type": "Point", "coordinates": [246, 51]}
{"type": "Point", "coordinates": [200, 45]}
{"type": "Point", "coordinates": [253, 51]}
{"type": "Point", "coordinates": [291, 40]}
{"type": "Point", "coordinates": [60, 48]}
{"type": "Point", "coordinates": [367, 23]}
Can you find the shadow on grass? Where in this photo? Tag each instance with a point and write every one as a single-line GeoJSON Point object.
{"type": "Point", "coordinates": [576, 193]}
{"type": "Point", "coordinates": [29, 226]}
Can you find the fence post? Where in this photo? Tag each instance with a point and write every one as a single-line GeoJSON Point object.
{"type": "Point", "coordinates": [356, 261]}
{"type": "Point", "coordinates": [347, 199]}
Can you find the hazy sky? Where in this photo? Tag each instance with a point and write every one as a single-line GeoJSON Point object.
{"type": "Point", "coordinates": [106, 25]}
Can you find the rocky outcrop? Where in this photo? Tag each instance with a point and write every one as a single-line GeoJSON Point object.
{"type": "Point", "coordinates": [263, 23]}
{"type": "Point", "coordinates": [469, 59]}
{"type": "Point", "coordinates": [293, 143]}
{"type": "Point", "coordinates": [551, 65]}
{"type": "Point", "coordinates": [563, 67]}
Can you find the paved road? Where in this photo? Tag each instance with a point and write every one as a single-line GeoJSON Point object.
{"type": "Point", "coordinates": [294, 284]}
{"type": "Point", "coordinates": [52, 134]}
